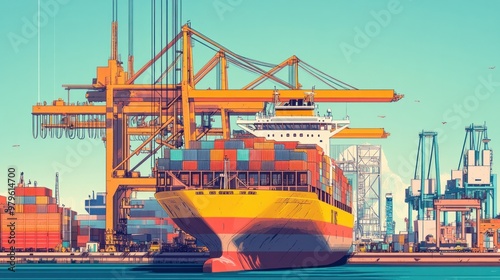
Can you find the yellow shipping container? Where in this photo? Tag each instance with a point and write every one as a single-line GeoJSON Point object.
{"type": "Point", "coordinates": [19, 208]}
{"type": "Point", "coordinates": [42, 200]}
{"type": "Point", "coordinates": [402, 238]}
{"type": "Point", "coordinates": [268, 146]}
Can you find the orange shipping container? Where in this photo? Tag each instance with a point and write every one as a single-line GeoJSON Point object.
{"type": "Point", "coordinates": [298, 165]}
{"type": "Point", "coordinates": [3, 200]}
{"type": "Point", "coordinates": [216, 155]}
{"type": "Point", "coordinates": [267, 154]}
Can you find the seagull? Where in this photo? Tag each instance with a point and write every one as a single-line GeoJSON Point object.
{"type": "Point", "coordinates": [444, 122]}
{"type": "Point", "coordinates": [491, 67]}
{"type": "Point", "coordinates": [16, 146]}
{"type": "Point", "coordinates": [381, 117]}
{"type": "Point", "coordinates": [418, 101]}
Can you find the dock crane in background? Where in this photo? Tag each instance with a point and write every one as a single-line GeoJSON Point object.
{"type": "Point", "coordinates": [473, 177]}
{"type": "Point", "coordinates": [423, 190]}
{"type": "Point", "coordinates": [162, 114]}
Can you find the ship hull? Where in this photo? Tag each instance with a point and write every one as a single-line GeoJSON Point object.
{"type": "Point", "coordinates": [261, 229]}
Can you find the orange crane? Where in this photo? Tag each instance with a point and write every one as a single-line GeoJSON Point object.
{"type": "Point", "coordinates": [172, 110]}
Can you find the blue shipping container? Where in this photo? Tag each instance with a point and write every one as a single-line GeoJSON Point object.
{"type": "Point", "coordinates": [234, 144]}
{"type": "Point", "coordinates": [207, 145]}
{"type": "Point", "coordinates": [163, 164]}
{"type": "Point", "coordinates": [242, 165]}
{"type": "Point", "coordinates": [203, 165]}
{"type": "Point", "coordinates": [30, 200]}
{"type": "Point", "coordinates": [279, 146]}
{"type": "Point", "coordinates": [298, 155]}
{"type": "Point", "coordinates": [282, 155]}
{"type": "Point", "coordinates": [190, 154]}
{"type": "Point", "coordinates": [203, 154]}
{"type": "Point", "coordinates": [175, 165]}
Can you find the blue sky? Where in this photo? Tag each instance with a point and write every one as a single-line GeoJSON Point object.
{"type": "Point", "coordinates": [437, 52]}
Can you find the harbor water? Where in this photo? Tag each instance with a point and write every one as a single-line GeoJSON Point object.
{"type": "Point", "coordinates": [181, 271]}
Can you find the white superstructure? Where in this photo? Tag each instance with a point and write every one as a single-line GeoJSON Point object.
{"type": "Point", "coordinates": [295, 120]}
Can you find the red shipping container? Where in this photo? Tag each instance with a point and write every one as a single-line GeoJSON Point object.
{"type": "Point", "coordinates": [37, 191]}
{"type": "Point", "coordinates": [255, 155]}
{"type": "Point", "coordinates": [30, 208]}
{"type": "Point", "coordinates": [216, 165]}
{"type": "Point", "coordinates": [19, 191]}
{"type": "Point", "coordinates": [281, 165]}
{"type": "Point", "coordinates": [290, 145]}
{"type": "Point", "coordinates": [248, 142]}
{"type": "Point", "coordinates": [219, 144]}
{"type": "Point", "coordinates": [231, 155]}
{"type": "Point", "coordinates": [255, 165]}
{"type": "Point", "coordinates": [190, 165]}
{"type": "Point", "coordinates": [3, 200]}
{"type": "Point", "coordinates": [52, 208]}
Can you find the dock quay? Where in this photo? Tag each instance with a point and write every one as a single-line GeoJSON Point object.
{"type": "Point", "coordinates": [437, 258]}
{"type": "Point", "coordinates": [133, 257]}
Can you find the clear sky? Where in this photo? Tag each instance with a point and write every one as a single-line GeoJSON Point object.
{"type": "Point", "coordinates": [436, 52]}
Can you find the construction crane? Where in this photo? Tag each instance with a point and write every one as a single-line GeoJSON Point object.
{"type": "Point", "coordinates": [163, 114]}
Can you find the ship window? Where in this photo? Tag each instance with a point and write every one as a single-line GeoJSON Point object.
{"type": "Point", "coordinates": [288, 135]}
{"type": "Point", "coordinates": [268, 135]}
{"type": "Point", "coordinates": [289, 179]}
{"type": "Point", "coordinates": [295, 135]}
{"type": "Point", "coordinates": [320, 141]}
{"type": "Point", "coordinates": [318, 135]}
{"type": "Point", "coordinates": [253, 179]}
{"type": "Point", "coordinates": [265, 179]}
{"type": "Point", "coordinates": [276, 179]}
{"type": "Point", "coordinates": [301, 135]}
{"type": "Point", "coordinates": [281, 135]}
{"type": "Point", "coordinates": [302, 179]}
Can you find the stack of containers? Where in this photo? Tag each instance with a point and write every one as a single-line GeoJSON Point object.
{"type": "Point", "coordinates": [3, 205]}
{"type": "Point", "coordinates": [151, 219]}
{"type": "Point", "coordinates": [38, 220]}
{"type": "Point", "coordinates": [259, 154]}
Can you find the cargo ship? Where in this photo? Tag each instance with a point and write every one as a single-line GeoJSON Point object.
{"type": "Point", "coordinates": [274, 200]}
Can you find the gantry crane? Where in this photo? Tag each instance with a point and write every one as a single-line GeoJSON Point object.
{"type": "Point", "coordinates": [163, 115]}
{"type": "Point", "coordinates": [424, 189]}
